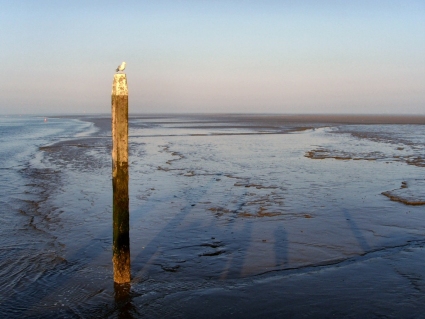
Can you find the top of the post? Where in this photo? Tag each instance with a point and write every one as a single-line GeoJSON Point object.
{"type": "Point", "coordinates": [119, 87]}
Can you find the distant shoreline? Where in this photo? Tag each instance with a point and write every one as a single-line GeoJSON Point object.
{"type": "Point", "coordinates": [282, 118]}
{"type": "Point", "coordinates": [259, 117]}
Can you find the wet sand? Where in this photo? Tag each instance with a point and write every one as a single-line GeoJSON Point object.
{"type": "Point", "coordinates": [236, 216]}
{"type": "Point", "coordinates": [381, 284]}
{"type": "Point", "coordinates": [262, 121]}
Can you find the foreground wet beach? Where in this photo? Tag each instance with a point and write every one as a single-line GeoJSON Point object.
{"type": "Point", "coordinates": [230, 215]}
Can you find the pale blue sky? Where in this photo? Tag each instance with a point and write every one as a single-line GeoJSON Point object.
{"type": "Point", "coordinates": [214, 56]}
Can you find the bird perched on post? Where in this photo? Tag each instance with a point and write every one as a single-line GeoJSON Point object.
{"type": "Point", "coordinates": [121, 67]}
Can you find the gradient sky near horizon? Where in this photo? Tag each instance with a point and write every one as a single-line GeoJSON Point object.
{"type": "Point", "coordinates": [214, 56]}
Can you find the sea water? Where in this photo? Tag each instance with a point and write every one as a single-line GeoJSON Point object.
{"type": "Point", "coordinates": [29, 246]}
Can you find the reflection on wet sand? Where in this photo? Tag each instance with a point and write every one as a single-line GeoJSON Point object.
{"type": "Point", "coordinates": [124, 302]}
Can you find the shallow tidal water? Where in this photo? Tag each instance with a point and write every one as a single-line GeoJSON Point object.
{"type": "Point", "coordinates": [242, 216]}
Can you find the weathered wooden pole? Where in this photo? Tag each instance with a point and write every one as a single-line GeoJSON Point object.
{"type": "Point", "coordinates": [121, 234]}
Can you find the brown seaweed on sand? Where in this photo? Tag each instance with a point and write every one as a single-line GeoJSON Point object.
{"type": "Point", "coordinates": [409, 193]}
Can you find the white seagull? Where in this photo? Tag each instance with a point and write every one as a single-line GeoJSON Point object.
{"type": "Point", "coordinates": [121, 67]}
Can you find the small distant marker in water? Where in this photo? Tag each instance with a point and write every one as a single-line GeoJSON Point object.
{"type": "Point", "coordinates": [45, 119]}
{"type": "Point", "coordinates": [121, 67]}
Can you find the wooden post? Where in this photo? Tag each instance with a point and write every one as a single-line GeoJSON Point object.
{"type": "Point", "coordinates": [121, 234]}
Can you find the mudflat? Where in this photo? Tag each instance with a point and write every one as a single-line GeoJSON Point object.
{"type": "Point", "coordinates": [230, 216]}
